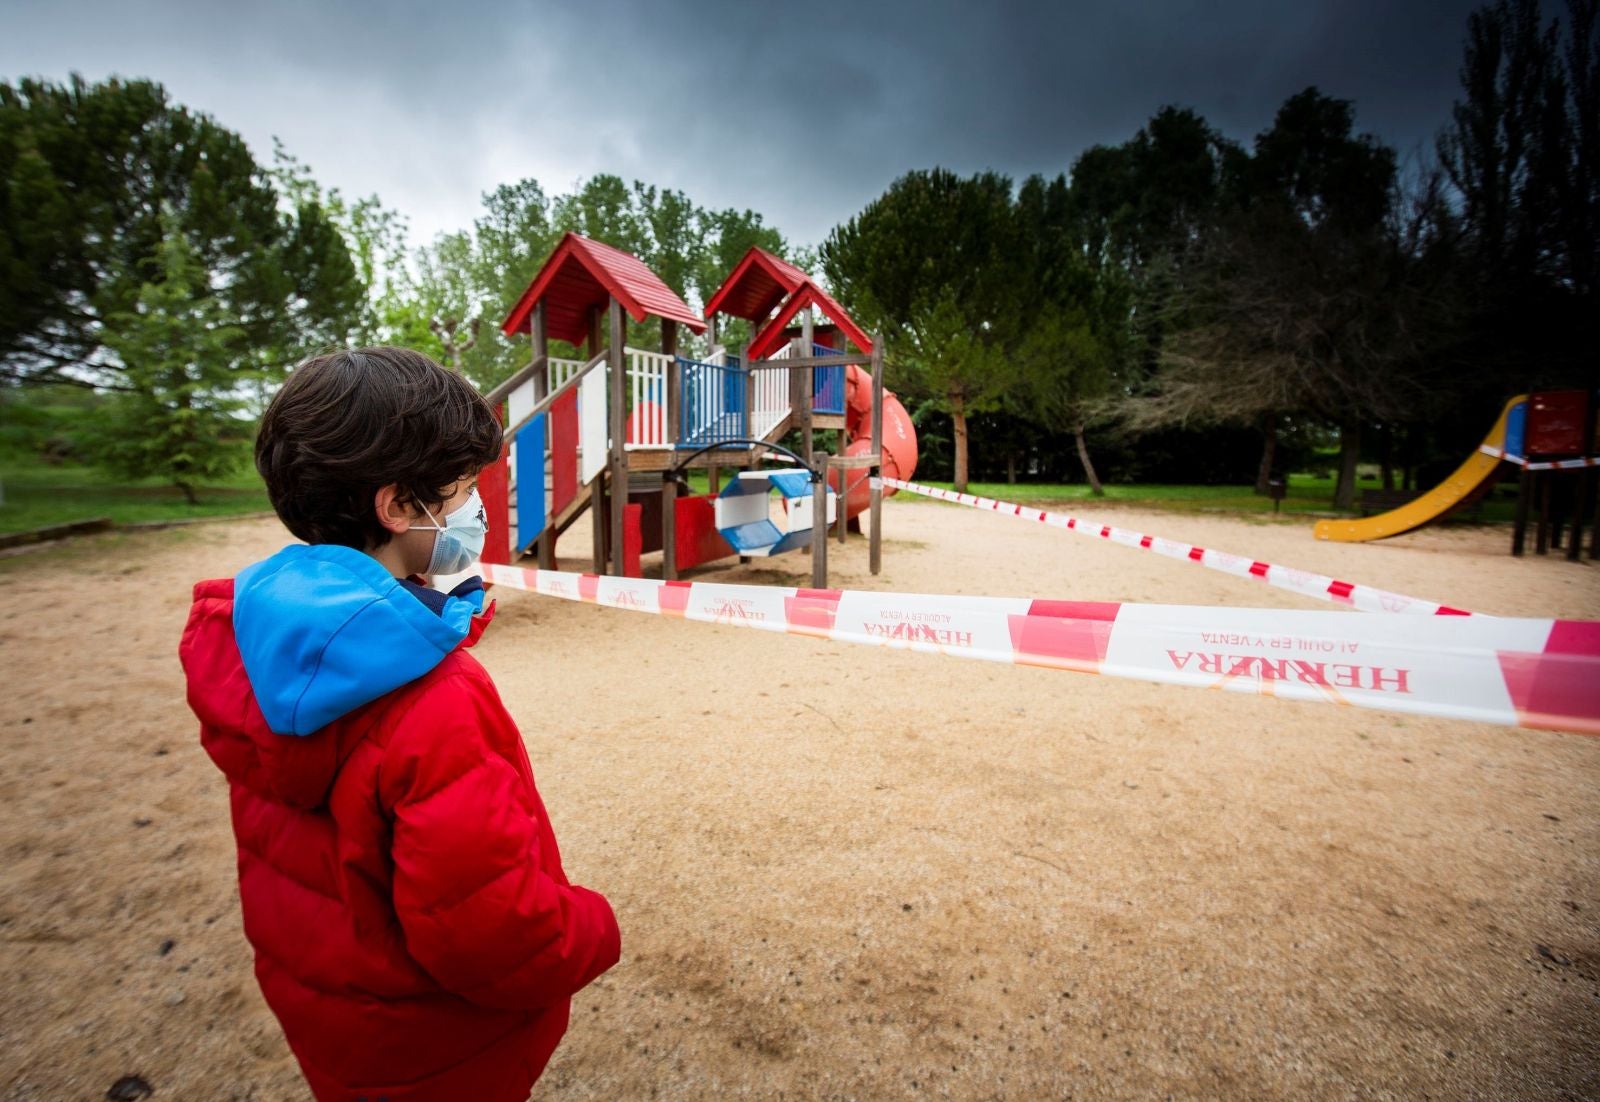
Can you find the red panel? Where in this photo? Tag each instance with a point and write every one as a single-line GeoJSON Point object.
{"type": "Point", "coordinates": [632, 540]}
{"type": "Point", "coordinates": [1558, 421]}
{"type": "Point", "coordinates": [563, 451]}
{"type": "Point", "coordinates": [697, 536]}
{"type": "Point", "coordinates": [494, 488]}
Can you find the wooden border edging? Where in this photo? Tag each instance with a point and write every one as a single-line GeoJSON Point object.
{"type": "Point", "coordinates": [55, 532]}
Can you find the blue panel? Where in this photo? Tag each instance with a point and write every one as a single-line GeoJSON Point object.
{"type": "Point", "coordinates": [530, 482]}
{"type": "Point", "coordinates": [791, 483]}
{"type": "Point", "coordinates": [751, 537]}
{"type": "Point", "coordinates": [792, 542]}
{"type": "Point", "coordinates": [1516, 429]}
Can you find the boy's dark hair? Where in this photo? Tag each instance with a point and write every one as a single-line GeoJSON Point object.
{"type": "Point", "coordinates": [348, 423]}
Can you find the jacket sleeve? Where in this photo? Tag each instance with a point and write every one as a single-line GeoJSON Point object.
{"type": "Point", "coordinates": [478, 910]}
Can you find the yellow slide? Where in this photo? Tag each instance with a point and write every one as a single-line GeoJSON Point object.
{"type": "Point", "coordinates": [1433, 504]}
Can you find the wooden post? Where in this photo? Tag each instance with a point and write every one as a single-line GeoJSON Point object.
{"type": "Point", "coordinates": [875, 554]}
{"type": "Point", "coordinates": [597, 495]}
{"type": "Point", "coordinates": [597, 513]}
{"type": "Point", "coordinates": [541, 390]}
{"type": "Point", "coordinates": [619, 425]}
{"type": "Point", "coordinates": [808, 377]}
{"type": "Point", "coordinates": [840, 522]}
{"type": "Point", "coordinates": [819, 521]}
{"type": "Point", "coordinates": [1519, 526]}
{"type": "Point", "coordinates": [1541, 536]}
{"type": "Point", "coordinates": [1580, 513]}
{"type": "Point", "coordinates": [1594, 531]}
{"type": "Point", "coordinates": [749, 400]}
{"type": "Point", "coordinates": [844, 443]}
{"type": "Point", "coordinates": [669, 527]}
{"type": "Point", "coordinates": [669, 345]}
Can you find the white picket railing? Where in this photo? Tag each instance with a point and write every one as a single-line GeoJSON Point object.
{"type": "Point", "coordinates": [771, 403]}
{"type": "Point", "coordinates": [647, 393]}
{"type": "Point", "coordinates": [559, 371]}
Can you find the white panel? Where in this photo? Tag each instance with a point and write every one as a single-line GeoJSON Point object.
{"type": "Point", "coordinates": [519, 403]}
{"type": "Point", "coordinates": [593, 391]}
{"type": "Point", "coordinates": [730, 512]}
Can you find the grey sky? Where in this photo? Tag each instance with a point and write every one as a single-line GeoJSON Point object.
{"type": "Point", "coordinates": [803, 112]}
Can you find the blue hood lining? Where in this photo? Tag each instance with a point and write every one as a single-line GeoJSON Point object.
{"type": "Point", "coordinates": [324, 629]}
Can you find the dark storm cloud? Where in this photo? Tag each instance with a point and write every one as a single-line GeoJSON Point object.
{"type": "Point", "coordinates": [803, 112]}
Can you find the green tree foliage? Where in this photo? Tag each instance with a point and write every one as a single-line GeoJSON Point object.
{"type": "Point", "coordinates": [1297, 297]}
{"type": "Point", "coordinates": [185, 364]}
{"type": "Point", "coordinates": [93, 180]}
{"type": "Point", "coordinates": [449, 297]}
{"type": "Point", "coordinates": [1522, 158]}
{"type": "Point", "coordinates": [936, 264]}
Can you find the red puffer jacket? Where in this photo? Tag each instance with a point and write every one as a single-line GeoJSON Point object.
{"type": "Point", "coordinates": [413, 929]}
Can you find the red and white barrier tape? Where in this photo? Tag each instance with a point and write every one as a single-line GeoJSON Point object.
{"type": "Point", "coordinates": [1551, 465]}
{"type": "Point", "coordinates": [1319, 586]}
{"type": "Point", "coordinates": [1519, 672]}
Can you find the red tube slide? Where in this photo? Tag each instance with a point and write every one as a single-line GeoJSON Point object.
{"type": "Point", "coordinates": [899, 440]}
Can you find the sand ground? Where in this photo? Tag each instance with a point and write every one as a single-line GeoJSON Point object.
{"type": "Point", "coordinates": [854, 873]}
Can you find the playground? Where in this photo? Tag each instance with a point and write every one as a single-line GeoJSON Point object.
{"type": "Point", "coordinates": [857, 872]}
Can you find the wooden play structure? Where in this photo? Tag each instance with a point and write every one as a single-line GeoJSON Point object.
{"type": "Point", "coordinates": [1550, 436]}
{"type": "Point", "coordinates": [616, 432]}
{"type": "Point", "coordinates": [1556, 449]}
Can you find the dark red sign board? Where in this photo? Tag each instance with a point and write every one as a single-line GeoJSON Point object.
{"type": "Point", "coordinates": [1558, 423]}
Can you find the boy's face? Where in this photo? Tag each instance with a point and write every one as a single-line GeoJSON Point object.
{"type": "Point", "coordinates": [410, 549]}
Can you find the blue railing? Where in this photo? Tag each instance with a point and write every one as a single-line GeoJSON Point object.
{"type": "Point", "coordinates": [827, 383]}
{"type": "Point", "coordinates": [711, 404]}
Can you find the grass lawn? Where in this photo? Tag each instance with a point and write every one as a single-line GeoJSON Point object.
{"type": "Point", "coordinates": [1307, 496]}
{"type": "Point", "coordinates": [38, 494]}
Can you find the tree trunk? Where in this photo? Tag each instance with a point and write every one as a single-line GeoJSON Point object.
{"type": "Point", "coordinates": [958, 418]}
{"type": "Point", "coordinates": [1344, 493]}
{"type": "Point", "coordinates": [1088, 467]}
{"type": "Point", "coordinates": [1386, 455]}
{"type": "Point", "coordinates": [1011, 468]}
{"type": "Point", "coordinates": [1269, 452]}
{"type": "Point", "coordinates": [188, 492]}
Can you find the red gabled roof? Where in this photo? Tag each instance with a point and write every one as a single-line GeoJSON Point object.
{"type": "Point", "coordinates": [582, 274]}
{"type": "Point", "coordinates": [771, 335]}
{"type": "Point", "coordinates": [756, 285]}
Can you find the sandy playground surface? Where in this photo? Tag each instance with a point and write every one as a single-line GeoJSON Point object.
{"type": "Point", "coordinates": [854, 873]}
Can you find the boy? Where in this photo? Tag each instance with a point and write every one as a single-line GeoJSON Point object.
{"type": "Point", "coordinates": [413, 930]}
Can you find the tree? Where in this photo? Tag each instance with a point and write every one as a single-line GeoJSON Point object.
{"type": "Point", "coordinates": [1300, 299]}
{"type": "Point", "coordinates": [1522, 157]}
{"type": "Point", "coordinates": [94, 178]}
{"type": "Point", "coordinates": [182, 359]}
{"type": "Point", "coordinates": [934, 265]}
{"type": "Point", "coordinates": [1073, 339]}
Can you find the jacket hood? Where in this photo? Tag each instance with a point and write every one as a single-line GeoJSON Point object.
{"type": "Point", "coordinates": [324, 629]}
{"type": "Point", "coordinates": [307, 610]}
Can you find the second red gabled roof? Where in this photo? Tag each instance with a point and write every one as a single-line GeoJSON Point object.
{"type": "Point", "coordinates": [582, 274]}
{"type": "Point", "coordinates": [771, 335]}
{"type": "Point", "coordinates": [756, 284]}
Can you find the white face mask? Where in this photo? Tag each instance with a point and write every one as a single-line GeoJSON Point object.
{"type": "Point", "coordinates": [460, 538]}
